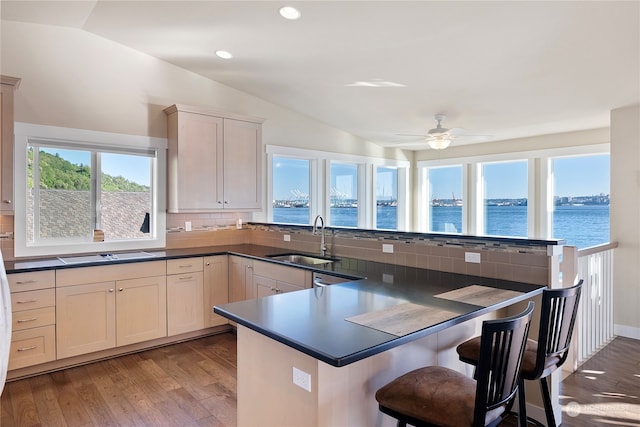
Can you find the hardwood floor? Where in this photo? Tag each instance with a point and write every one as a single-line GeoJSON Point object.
{"type": "Point", "coordinates": [187, 384]}
{"type": "Point", "coordinates": [194, 384]}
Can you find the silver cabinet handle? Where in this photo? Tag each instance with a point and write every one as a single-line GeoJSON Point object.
{"type": "Point", "coordinates": [6, 201]}
{"type": "Point", "coordinates": [26, 282]}
{"type": "Point", "coordinates": [111, 290]}
{"type": "Point", "coordinates": [121, 289]}
{"type": "Point", "coordinates": [33, 319]}
{"type": "Point", "coordinates": [186, 266]}
{"type": "Point", "coordinates": [207, 263]}
{"type": "Point", "coordinates": [186, 278]}
{"type": "Point", "coordinates": [29, 301]}
{"type": "Point", "coordinates": [28, 348]}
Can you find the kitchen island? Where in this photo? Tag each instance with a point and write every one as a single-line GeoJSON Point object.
{"type": "Point", "coordinates": [316, 357]}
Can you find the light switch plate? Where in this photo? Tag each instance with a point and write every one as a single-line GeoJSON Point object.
{"type": "Point", "coordinates": [387, 248]}
{"type": "Point", "coordinates": [302, 379]}
{"type": "Point", "coordinates": [287, 237]}
{"type": "Point", "coordinates": [187, 226]}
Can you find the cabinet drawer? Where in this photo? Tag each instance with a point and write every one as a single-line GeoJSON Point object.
{"type": "Point", "coordinates": [33, 318]}
{"type": "Point", "coordinates": [30, 281]}
{"type": "Point", "coordinates": [105, 273]}
{"type": "Point", "coordinates": [184, 265]}
{"type": "Point", "coordinates": [280, 272]}
{"type": "Point", "coordinates": [32, 346]}
{"type": "Point", "coordinates": [29, 300]}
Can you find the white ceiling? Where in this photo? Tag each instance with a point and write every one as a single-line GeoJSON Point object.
{"type": "Point", "coordinates": [504, 69]}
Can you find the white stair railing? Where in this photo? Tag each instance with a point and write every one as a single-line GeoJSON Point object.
{"type": "Point", "coordinates": [594, 325]}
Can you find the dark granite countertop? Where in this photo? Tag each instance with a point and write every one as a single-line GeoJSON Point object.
{"type": "Point", "coordinates": [313, 320]}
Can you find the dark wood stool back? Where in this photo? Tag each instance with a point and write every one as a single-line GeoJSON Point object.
{"type": "Point", "coordinates": [558, 314]}
{"type": "Point", "coordinates": [438, 396]}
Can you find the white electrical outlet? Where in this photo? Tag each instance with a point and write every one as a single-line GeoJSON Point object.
{"type": "Point", "coordinates": [302, 379]}
{"type": "Point", "coordinates": [187, 226]}
{"type": "Point", "coordinates": [287, 238]}
{"type": "Point", "coordinates": [473, 257]}
{"type": "Point", "coordinates": [387, 248]}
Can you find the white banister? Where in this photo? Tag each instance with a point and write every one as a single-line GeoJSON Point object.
{"type": "Point", "coordinates": [594, 325]}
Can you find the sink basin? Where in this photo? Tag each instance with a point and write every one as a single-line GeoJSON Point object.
{"type": "Point", "coordinates": [302, 259]}
{"type": "Point", "coordinates": [82, 259]}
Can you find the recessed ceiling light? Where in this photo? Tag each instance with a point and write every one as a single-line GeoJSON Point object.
{"type": "Point", "coordinates": [289, 12]}
{"type": "Point", "coordinates": [375, 83]}
{"type": "Point", "coordinates": [223, 54]}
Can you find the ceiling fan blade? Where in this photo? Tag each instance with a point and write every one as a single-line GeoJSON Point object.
{"type": "Point", "coordinates": [411, 134]}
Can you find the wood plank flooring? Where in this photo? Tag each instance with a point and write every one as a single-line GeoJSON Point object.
{"type": "Point", "coordinates": [194, 384]}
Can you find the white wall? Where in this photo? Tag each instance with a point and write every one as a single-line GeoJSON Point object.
{"type": "Point", "coordinates": [72, 78]}
{"type": "Point", "coordinates": [625, 219]}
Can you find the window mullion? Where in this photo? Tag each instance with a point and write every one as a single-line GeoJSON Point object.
{"type": "Point", "coordinates": [36, 193]}
{"type": "Point", "coordinates": [96, 184]}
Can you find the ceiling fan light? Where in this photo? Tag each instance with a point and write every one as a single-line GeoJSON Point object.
{"type": "Point", "coordinates": [439, 143]}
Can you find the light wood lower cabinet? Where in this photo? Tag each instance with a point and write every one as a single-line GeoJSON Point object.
{"type": "Point", "coordinates": [271, 279]}
{"type": "Point", "coordinates": [99, 316]}
{"type": "Point", "coordinates": [216, 288]}
{"type": "Point", "coordinates": [185, 294]}
{"type": "Point", "coordinates": [128, 306]}
{"type": "Point", "coordinates": [33, 318]}
{"type": "Point", "coordinates": [240, 278]}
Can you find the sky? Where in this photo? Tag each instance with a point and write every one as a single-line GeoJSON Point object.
{"type": "Point", "coordinates": [573, 176]}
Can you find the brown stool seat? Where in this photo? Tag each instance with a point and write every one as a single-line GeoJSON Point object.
{"type": "Point", "coordinates": [438, 396]}
{"type": "Point", "coordinates": [434, 395]}
{"type": "Point", "coordinates": [469, 352]}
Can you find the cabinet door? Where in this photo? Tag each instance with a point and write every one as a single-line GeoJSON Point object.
{"type": "Point", "coordinates": [141, 309]}
{"type": "Point", "coordinates": [85, 318]}
{"type": "Point", "coordinates": [216, 288]}
{"type": "Point", "coordinates": [185, 311]}
{"type": "Point", "coordinates": [243, 165]}
{"type": "Point", "coordinates": [240, 278]}
{"type": "Point", "coordinates": [194, 162]}
{"type": "Point", "coordinates": [264, 286]}
{"type": "Point", "coordinates": [6, 144]}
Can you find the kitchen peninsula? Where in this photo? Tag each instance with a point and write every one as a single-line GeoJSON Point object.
{"type": "Point", "coordinates": [316, 357]}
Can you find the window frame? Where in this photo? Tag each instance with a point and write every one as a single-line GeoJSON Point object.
{"type": "Point", "coordinates": [540, 186]}
{"type": "Point", "coordinates": [319, 183]}
{"type": "Point", "coordinates": [27, 134]}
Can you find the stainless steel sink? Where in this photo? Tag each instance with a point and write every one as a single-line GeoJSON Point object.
{"type": "Point", "coordinates": [302, 259]}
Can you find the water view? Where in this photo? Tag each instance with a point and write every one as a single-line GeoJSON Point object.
{"type": "Point", "coordinates": [579, 225]}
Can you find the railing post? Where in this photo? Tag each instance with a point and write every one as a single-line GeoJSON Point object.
{"type": "Point", "coordinates": [570, 275]}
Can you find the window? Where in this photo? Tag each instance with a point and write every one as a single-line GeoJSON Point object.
{"type": "Point", "coordinates": [386, 198]}
{"type": "Point", "coordinates": [347, 190]}
{"type": "Point", "coordinates": [87, 196]}
{"type": "Point", "coordinates": [505, 198]}
{"type": "Point", "coordinates": [344, 195]}
{"type": "Point", "coordinates": [581, 200]}
{"type": "Point", "coordinates": [444, 199]}
{"type": "Point", "coordinates": [291, 190]}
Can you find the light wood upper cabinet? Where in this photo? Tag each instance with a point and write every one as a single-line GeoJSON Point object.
{"type": "Point", "coordinates": [7, 85]}
{"type": "Point", "coordinates": [216, 288]}
{"type": "Point", "coordinates": [214, 160]}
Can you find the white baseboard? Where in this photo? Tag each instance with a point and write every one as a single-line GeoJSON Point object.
{"type": "Point", "coordinates": [626, 331]}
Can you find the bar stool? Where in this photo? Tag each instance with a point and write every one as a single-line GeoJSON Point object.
{"type": "Point", "coordinates": [542, 357]}
{"type": "Point", "coordinates": [438, 396]}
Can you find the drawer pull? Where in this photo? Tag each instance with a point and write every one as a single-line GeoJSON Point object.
{"type": "Point", "coordinates": [33, 319]}
{"type": "Point", "coordinates": [6, 201]}
{"type": "Point", "coordinates": [28, 348]}
{"type": "Point", "coordinates": [186, 266]}
{"type": "Point", "coordinates": [29, 301]}
{"type": "Point", "coordinates": [186, 278]}
{"type": "Point", "coordinates": [26, 282]}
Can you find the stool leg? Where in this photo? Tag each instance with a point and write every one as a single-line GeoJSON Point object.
{"type": "Point", "coordinates": [522, 404]}
{"type": "Point", "coordinates": [546, 398]}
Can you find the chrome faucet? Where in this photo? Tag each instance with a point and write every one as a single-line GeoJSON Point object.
{"type": "Point", "coordinates": [323, 247]}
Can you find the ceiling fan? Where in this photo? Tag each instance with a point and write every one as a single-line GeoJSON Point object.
{"type": "Point", "coordinates": [439, 137]}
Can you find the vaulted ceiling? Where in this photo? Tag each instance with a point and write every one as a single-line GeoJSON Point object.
{"type": "Point", "coordinates": [378, 69]}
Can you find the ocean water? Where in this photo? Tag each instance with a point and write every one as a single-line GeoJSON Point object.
{"type": "Point", "coordinates": [580, 226]}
